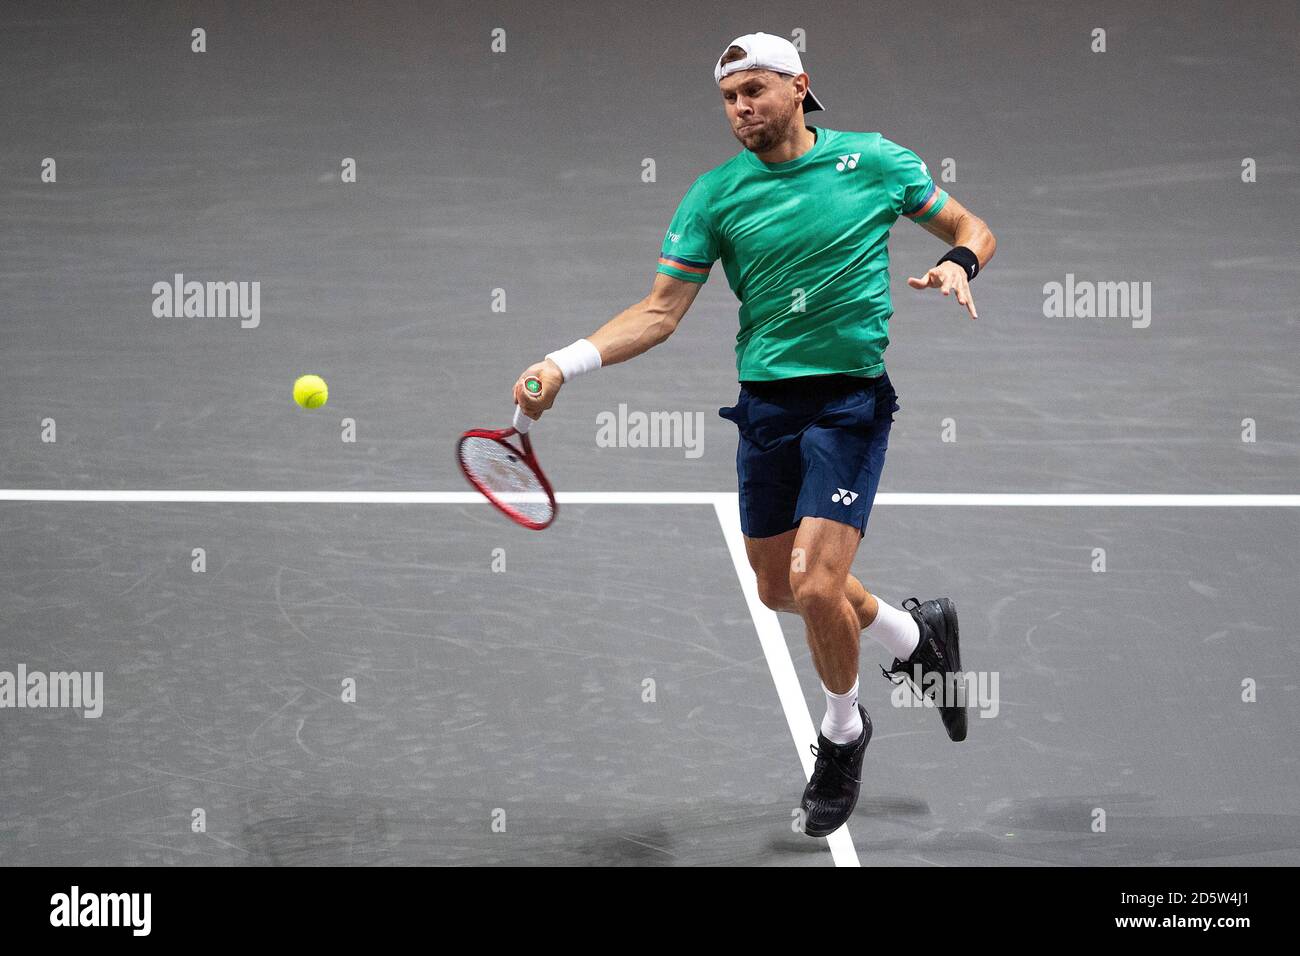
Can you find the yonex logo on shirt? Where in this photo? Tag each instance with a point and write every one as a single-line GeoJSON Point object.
{"type": "Point", "coordinates": [847, 162]}
{"type": "Point", "coordinates": [845, 496]}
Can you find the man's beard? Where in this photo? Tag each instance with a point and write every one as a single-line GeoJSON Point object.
{"type": "Point", "coordinates": [773, 132]}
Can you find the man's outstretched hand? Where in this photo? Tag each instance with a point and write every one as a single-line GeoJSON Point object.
{"type": "Point", "coordinates": [951, 278]}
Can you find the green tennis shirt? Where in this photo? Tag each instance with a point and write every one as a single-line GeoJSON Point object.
{"type": "Point", "coordinates": [804, 245]}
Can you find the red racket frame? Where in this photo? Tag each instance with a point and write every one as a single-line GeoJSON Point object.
{"type": "Point", "coordinates": [526, 453]}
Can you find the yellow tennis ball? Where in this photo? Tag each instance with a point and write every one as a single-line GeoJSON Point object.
{"type": "Point", "coordinates": [310, 391]}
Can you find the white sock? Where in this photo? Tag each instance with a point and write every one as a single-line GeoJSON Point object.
{"type": "Point", "coordinates": [843, 721]}
{"type": "Point", "coordinates": [896, 629]}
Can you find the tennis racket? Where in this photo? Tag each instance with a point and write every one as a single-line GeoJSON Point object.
{"type": "Point", "coordinates": [508, 475]}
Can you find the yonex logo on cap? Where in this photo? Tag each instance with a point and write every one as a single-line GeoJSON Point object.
{"type": "Point", "coordinates": [847, 162]}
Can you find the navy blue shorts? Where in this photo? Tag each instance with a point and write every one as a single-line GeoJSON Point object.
{"type": "Point", "coordinates": [811, 446]}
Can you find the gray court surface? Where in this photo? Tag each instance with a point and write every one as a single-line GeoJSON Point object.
{"type": "Point", "coordinates": [379, 684]}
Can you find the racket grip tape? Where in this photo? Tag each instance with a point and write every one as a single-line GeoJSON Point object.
{"type": "Point", "coordinates": [533, 385]}
{"type": "Point", "coordinates": [522, 422]}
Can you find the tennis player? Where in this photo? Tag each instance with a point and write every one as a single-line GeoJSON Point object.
{"type": "Point", "coordinates": [800, 219]}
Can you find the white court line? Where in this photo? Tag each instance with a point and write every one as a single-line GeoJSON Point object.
{"type": "Point", "coordinates": [779, 663]}
{"type": "Point", "coordinates": [945, 500]}
{"type": "Point", "coordinates": [163, 496]}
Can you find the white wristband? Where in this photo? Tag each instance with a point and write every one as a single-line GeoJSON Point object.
{"type": "Point", "coordinates": [577, 359]}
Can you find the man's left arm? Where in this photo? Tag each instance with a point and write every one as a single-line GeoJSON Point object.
{"type": "Point", "coordinates": [973, 245]}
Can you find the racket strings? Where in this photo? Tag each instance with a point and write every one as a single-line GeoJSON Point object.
{"type": "Point", "coordinates": [506, 477]}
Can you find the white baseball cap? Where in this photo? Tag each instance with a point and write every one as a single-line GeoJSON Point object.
{"type": "Point", "coordinates": [766, 52]}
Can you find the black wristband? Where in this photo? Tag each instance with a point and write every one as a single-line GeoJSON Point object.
{"type": "Point", "coordinates": [964, 258]}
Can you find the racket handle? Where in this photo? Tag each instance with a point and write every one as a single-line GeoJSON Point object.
{"type": "Point", "coordinates": [522, 422]}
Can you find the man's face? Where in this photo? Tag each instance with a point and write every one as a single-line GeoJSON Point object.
{"type": "Point", "coordinates": [761, 105]}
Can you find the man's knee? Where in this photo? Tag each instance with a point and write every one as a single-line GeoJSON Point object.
{"type": "Point", "coordinates": [770, 559]}
{"type": "Point", "coordinates": [816, 588]}
{"type": "Point", "coordinates": [774, 592]}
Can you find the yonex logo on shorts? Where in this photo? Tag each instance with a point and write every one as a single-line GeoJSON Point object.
{"type": "Point", "coordinates": [847, 162]}
{"type": "Point", "coordinates": [845, 496]}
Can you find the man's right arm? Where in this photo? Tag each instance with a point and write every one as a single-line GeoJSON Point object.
{"type": "Point", "coordinates": [641, 327]}
{"type": "Point", "coordinates": [636, 329]}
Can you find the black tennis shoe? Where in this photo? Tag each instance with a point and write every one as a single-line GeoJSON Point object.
{"type": "Point", "coordinates": [937, 654]}
{"type": "Point", "coordinates": [832, 791]}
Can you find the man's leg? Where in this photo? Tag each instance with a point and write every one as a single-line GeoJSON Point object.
{"type": "Point", "coordinates": [774, 559]}
{"type": "Point", "coordinates": [780, 561]}
{"type": "Point", "coordinates": [824, 550]}
{"type": "Point", "coordinates": [833, 621]}
{"type": "Point", "coordinates": [805, 570]}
